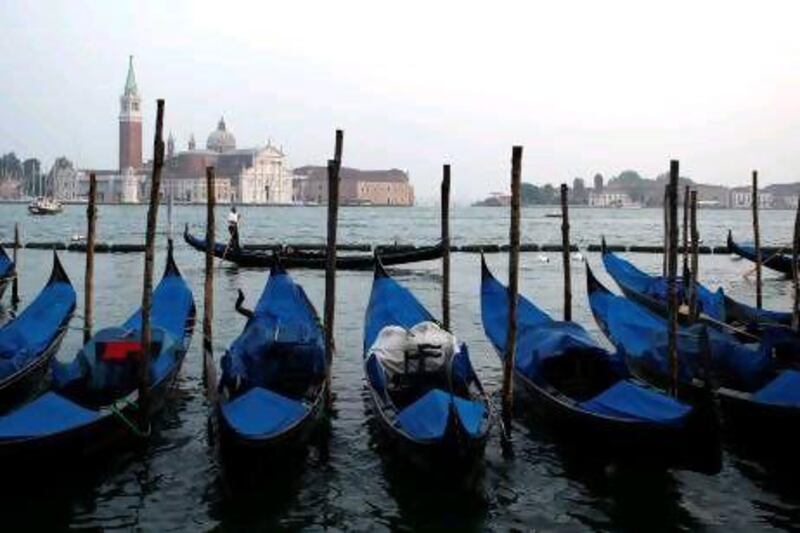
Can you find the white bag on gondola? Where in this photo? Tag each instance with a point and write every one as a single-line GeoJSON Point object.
{"type": "Point", "coordinates": [394, 343]}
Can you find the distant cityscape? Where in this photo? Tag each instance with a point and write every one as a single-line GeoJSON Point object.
{"type": "Point", "coordinates": [255, 175]}
{"type": "Point", "coordinates": [629, 189]}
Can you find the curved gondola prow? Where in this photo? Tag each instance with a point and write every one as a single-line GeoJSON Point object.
{"type": "Point", "coordinates": [603, 245]}
{"type": "Point", "coordinates": [593, 284]}
{"type": "Point", "coordinates": [171, 268]}
{"type": "Point", "coordinates": [277, 267]}
{"type": "Point", "coordinates": [486, 274]}
{"type": "Point", "coordinates": [58, 274]}
{"type": "Point", "coordinates": [730, 240]}
{"type": "Point", "coordinates": [380, 271]}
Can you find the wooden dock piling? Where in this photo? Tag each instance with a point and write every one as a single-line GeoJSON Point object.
{"type": "Point", "coordinates": [147, 290]}
{"type": "Point", "coordinates": [209, 370]}
{"type": "Point", "coordinates": [15, 281]}
{"type": "Point", "coordinates": [695, 265]}
{"type": "Point", "coordinates": [445, 200]}
{"type": "Point", "coordinates": [565, 253]}
{"type": "Point", "coordinates": [672, 272]}
{"type": "Point", "coordinates": [513, 291]}
{"type": "Point", "coordinates": [666, 232]}
{"type": "Point", "coordinates": [685, 239]}
{"type": "Point", "coordinates": [795, 268]}
{"type": "Point", "coordinates": [756, 238]}
{"type": "Point", "coordinates": [334, 166]}
{"type": "Point", "coordinates": [88, 297]}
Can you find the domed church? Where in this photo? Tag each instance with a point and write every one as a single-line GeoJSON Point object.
{"type": "Point", "coordinates": [257, 175]}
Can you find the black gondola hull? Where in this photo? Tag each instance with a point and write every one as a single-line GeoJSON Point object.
{"type": "Point", "coordinates": [313, 260]}
{"type": "Point", "coordinates": [777, 262]}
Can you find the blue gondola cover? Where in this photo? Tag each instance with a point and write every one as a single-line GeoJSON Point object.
{"type": "Point", "coordinates": [46, 415]}
{"type": "Point", "coordinates": [628, 401]}
{"type": "Point", "coordinates": [783, 390]}
{"type": "Point", "coordinates": [262, 413]}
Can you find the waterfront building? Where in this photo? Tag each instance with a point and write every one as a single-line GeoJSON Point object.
{"type": "Point", "coordinates": [741, 197]}
{"type": "Point", "coordinates": [358, 187]}
{"type": "Point", "coordinates": [258, 175]}
{"type": "Point", "coordinates": [610, 198]}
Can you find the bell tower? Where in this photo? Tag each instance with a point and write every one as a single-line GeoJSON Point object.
{"type": "Point", "coordinates": [130, 123]}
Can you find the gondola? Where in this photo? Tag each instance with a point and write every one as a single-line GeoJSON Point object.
{"type": "Point", "coordinates": [427, 399]}
{"type": "Point", "coordinates": [311, 259]}
{"type": "Point", "coordinates": [30, 340]}
{"type": "Point", "coordinates": [716, 308]}
{"type": "Point", "coordinates": [776, 261]}
{"type": "Point", "coordinates": [584, 391]}
{"type": "Point", "coordinates": [93, 402]}
{"type": "Point", "coordinates": [6, 271]}
{"type": "Point", "coordinates": [757, 398]}
{"type": "Point", "coordinates": [272, 388]}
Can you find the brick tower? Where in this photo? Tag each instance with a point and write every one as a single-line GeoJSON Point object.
{"type": "Point", "coordinates": [130, 124]}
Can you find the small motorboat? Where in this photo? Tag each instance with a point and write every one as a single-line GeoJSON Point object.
{"type": "Point", "coordinates": [45, 206]}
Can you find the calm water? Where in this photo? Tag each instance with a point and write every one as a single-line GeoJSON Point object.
{"type": "Point", "coordinates": [175, 483]}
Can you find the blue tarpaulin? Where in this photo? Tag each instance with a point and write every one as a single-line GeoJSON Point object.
{"type": "Point", "coordinates": [46, 415]}
{"type": "Point", "coordinates": [783, 390]}
{"type": "Point", "coordinates": [629, 401]}
{"type": "Point", "coordinates": [262, 413]}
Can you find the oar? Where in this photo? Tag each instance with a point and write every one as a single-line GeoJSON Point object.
{"type": "Point", "coordinates": [767, 260]}
{"type": "Point", "coordinates": [705, 318]}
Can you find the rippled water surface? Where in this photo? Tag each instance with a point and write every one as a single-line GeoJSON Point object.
{"type": "Point", "coordinates": [175, 483]}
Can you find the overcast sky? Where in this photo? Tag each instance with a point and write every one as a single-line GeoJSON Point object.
{"type": "Point", "coordinates": [585, 86]}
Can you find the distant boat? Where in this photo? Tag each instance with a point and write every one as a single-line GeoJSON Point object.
{"type": "Point", "coordinates": [45, 206]}
{"type": "Point", "coordinates": [553, 215]}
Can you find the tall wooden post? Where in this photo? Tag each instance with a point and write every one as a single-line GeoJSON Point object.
{"type": "Point", "coordinates": [149, 252]}
{"type": "Point", "coordinates": [209, 370]}
{"type": "Point", "coordinates": [565, 254]}
{"type": "Point", "coordinates": [795, 268]}
{"type": "Point", "coordinates": [513, 290]}
{"type": "Point", "coordinates": [756, 238]}
{"type": "Point", "coordinates": [672, 272]}
{"type": "Point", "coordinates": [15, 257]}
{"type": "Point", "coordinates": [334, 166]}
{"type": "Point", "coordinates": [693, 308]}
{"type": "Point", "coordinates": [446, 247]}
{"type": "Point", "coordinates": [88, 297]}
{"type": "Point", "coordinates": [686, 209]}
{"type": "Point", "coordinates": [666, 232]}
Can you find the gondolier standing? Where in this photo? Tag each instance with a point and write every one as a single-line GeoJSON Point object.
{"type": "Point", "coordinates": [233, 228]}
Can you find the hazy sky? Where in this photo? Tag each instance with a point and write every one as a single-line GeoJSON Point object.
{"type": "Point", "coordinates": [585, 86]}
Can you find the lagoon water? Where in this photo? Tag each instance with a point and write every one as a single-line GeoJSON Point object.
{"type": "Point", "coordinates": [175, 483]}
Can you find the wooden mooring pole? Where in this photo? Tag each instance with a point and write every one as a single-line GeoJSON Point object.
{"type": "Point", "coordinates": [666, 232]}
{"type": "Point", "coordinates": [88, 297]}
{"type": "Point", "coordinates": [147, 290]}
{"type": "Point", "coordinates": [686, 209]}
{"type": "Point", "coordinates": [672, 272]}
{"type": "Point", "coordinates": [756, 238]}
{"type": "Point", "coordinates": [693, 308]}
{"type": "Point", "coordinates": [795, 268]}
{"type": "Point", "coordinates": [565, 253]}
{"type": "Point", "coordinates": [513, 290]}
{"type": "Point", "coordinates": [15, 281]}
{"type": "Point", "coordinates": [209, 370]}
{"type": "Point", "coordinates": [446, 247]}
{"type": "Point", "coordinates": [334, 166]}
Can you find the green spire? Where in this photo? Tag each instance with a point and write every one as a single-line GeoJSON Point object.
{"type": "Point", "coordinates": [130, 83]}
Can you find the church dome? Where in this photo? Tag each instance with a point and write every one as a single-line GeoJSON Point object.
{"type": "Point", "coordinates": [221, 140]}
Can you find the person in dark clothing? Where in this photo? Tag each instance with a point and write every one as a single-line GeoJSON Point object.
{"type": "Point", "coordinates": [233, 227]}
